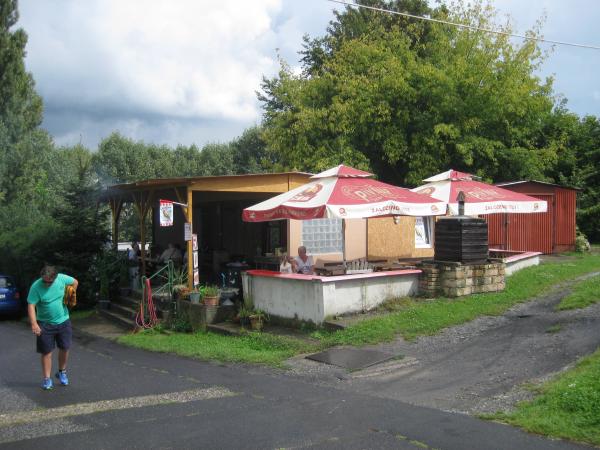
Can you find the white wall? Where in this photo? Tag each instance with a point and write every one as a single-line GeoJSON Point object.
{"type": "Point", "coordinates": [315, 298]}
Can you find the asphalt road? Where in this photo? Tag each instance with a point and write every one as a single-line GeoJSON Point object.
{"type": "Point", "coordinates": [126, 398]}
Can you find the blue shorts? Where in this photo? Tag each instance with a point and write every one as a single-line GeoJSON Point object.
{"type": "Point", "coordinates": [60, 334]}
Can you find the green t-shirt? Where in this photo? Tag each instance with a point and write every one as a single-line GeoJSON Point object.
{"type": "Point", "coordinates": [48, 300]}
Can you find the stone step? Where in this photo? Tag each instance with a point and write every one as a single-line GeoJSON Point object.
{"type": "Point", "coordinates": [124, 310]}
{"type": "Point", "coordinates": [128, 302]}
{"type": "Point", "coordinates": [118, 319]}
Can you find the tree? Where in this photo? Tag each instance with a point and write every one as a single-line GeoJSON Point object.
{"type": "Point", "coordinates": [407, 100]}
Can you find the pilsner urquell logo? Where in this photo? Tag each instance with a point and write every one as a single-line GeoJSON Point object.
{"type": "Point", "coordinates": [368, 193]}
{"type": "Point", "coordinates": [307, 194]}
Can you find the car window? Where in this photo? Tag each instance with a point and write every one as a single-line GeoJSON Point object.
{"type": "Point", "coordinates": [5, 282]}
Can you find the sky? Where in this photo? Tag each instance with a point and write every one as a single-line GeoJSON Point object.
{"type": "Point", "coordinates": [187, 71]}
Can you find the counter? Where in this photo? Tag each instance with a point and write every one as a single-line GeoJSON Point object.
{"type": "Point", "coordinates": [313, 298]}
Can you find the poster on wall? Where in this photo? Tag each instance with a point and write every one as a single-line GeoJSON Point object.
{"type": "Point", "coordinates": [166, 213]}
{"type": "Point", "coordinates": [195, 259]}
{"type": "Point", "coordinates": [422, 239]}
{"type": "Point", "coordinates": [195, 242]}
{"type": "Point", "coordinates": [196, 277]}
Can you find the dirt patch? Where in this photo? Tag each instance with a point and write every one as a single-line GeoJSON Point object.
{"type": "Point", "coordinates": [482, 366]}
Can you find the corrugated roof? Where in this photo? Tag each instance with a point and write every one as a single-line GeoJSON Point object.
{"type": "Point", "coordinates": [511, 183]}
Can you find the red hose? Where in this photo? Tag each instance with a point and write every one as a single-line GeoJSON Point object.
{"type": "Point", "coordinates": [140, 318]}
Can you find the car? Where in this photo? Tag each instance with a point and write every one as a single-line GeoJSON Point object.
{"type": "Point", "coordinates": [10, 297]}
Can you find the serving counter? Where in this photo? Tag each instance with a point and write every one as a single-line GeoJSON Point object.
{"type": "Point", "coordinates": [313, 298]}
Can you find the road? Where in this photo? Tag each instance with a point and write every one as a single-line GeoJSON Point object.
{"type": "Point", "coordinates": [127, 398]}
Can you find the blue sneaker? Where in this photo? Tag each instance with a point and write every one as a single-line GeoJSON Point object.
{"type": "Point", "coordinates": [47, 384]}
{"type": "Point", "coordinates": [62, 377]}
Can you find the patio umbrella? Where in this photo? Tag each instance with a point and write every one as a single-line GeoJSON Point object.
{"type": "Point", "coordinates": [344, 193]}
{"type": "Point", "coordinates": [480, 198]}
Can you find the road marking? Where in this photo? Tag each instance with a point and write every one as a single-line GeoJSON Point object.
{"type": "Point", "coordinates": [80, 409]}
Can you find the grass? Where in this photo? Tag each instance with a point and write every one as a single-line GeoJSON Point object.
{"type": "Point", "coordinates": [585, 294]}
{"type": "Point", "coordinates": [408, 317]}
{"type": "Point", "coordinates": [568, 407]}
{"type": "Point", "coordinates": [250, 347]}
{"type": "Point", "coordinates": [418, 317]}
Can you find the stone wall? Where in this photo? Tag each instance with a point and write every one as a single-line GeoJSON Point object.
{"type": "Point", "coordinates": [454, 279]}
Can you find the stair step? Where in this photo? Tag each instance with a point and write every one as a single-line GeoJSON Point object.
{"type": "Point", "coordinates": [129, 302]}
{"type": "Point", "coordinates": [118, 319]}
{"type": "Point", "coordinates": [123, 310]}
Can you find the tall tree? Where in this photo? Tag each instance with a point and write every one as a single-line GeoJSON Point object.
{"type": "Point", "coordinates": [407, 99]}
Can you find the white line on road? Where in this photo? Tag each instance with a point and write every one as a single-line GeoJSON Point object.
{"type": "Point", "coordinates": [80, 409]}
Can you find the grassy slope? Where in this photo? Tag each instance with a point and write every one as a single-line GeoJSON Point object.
{"type": "Point", "coordinates": [425, 318]}
{"type": "Point", "coordinates": [585, 294]}
{"type": "Point", "coordinates": [568, 407]}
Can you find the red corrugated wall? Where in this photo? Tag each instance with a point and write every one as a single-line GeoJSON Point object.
{"type": "Point", "coordinates": [552, 231]}
{"type": "Point", "coordinates": [564, 216]}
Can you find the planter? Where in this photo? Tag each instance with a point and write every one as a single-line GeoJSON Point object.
{"type": "Point", "coordinates": [211, 301]}
{"type": "Point", "coordinates": [256, 323]}
{"type": "Point", "coordinates": [195, 297]}
{"type": "Point", "coordinates": [244, 321]}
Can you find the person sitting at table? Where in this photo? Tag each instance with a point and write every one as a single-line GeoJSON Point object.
{"type": "Point", "coordinates": [286, 264]}
{"type": "Point", "coordinates": [303, 263]}
{"type": "Point", "coordinates": [172, 253]}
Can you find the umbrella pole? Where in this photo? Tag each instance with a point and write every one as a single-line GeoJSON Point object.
{"type": "Point", "coordinates": [344, 243]}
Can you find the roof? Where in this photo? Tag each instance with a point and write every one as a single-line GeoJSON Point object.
{"type": "Point", "coordinates": [157, 183]}
{"type": "Point", "coordinates": [512, 183]}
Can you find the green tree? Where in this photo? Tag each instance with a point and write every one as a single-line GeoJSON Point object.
{"type": "Point", "coordinates": [406, 99]}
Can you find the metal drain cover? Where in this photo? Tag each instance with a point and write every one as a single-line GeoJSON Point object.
{"type": "Point", "coordinates": [351, 358]}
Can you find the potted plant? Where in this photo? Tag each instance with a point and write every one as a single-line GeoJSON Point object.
{"type": "Point", "coordinates": [196, 294]}
{"type": "Point", "coordinates": [211, 295]}
{"type": "Point", "coordinates": [257, 319]}
{"type": "Point", "coordinates": [244, 316]}
{"type": "Point", "coordinates": [180, 291]}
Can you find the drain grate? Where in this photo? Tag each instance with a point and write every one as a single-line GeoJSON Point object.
{"type": "Point", "coordinates": [351, 358]}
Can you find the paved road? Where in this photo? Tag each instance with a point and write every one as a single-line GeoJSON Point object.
{"type": "Point", "coordinates": [127, 398]}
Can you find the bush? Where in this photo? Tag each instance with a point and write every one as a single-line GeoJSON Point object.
{"type": "Point", "coordinates": [581, 243]}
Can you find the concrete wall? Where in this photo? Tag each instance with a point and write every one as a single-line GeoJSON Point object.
{"type": "Point", "coordinates": [312, 298]}
{"type": "Point", "coordinates": [514, 265]}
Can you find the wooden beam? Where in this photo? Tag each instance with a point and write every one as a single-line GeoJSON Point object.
{"type": "Point", "coordinates": [189, 219]}
{"type": "Point", "coordinates": [116, 205]}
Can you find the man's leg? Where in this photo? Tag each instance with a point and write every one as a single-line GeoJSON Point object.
{"type": "Point", "coordinates": [63, 356]}
{"type": "Point", "coordinates": [46, 364]}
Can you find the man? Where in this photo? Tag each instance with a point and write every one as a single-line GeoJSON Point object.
{"type": "Point", "coordinates": [49, 319]}
{"type": "Point", "coordinates": [133, 258]}
{"type": "Point", "coordinates": [303, 263]}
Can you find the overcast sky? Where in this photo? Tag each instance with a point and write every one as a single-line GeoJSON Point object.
{"type": "Point", "coordinates": [187, 71]}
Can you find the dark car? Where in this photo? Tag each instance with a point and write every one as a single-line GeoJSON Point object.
{"type": "Point", "coordinates": [10, 298]}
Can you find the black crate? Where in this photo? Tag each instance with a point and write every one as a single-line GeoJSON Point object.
{"type": "Point", "coordinates": [461, 239]}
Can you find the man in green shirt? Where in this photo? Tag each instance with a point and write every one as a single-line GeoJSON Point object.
{"type": "Point", "coordinates": [49, 318]}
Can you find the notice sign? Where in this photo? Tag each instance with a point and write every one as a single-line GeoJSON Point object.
{"type": "Point", "coordinates": [195, 242]}
{"type": "Point", "coordinates": [187, 232]}
{"type": "Point", "coordinates": [166, 213]}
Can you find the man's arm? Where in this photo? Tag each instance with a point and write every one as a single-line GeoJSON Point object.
{"type": "Point", "coordinates": [75, 283]}
{"type": "Point", "coordinates": [35, 328]}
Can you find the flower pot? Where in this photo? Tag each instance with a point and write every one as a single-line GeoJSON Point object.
{"type": "Point", "coordinates": [195, 297]}
{"type": "Point", "coordinates": [256, 323]}
{"type": "Point", "coordinates": [211, 301]}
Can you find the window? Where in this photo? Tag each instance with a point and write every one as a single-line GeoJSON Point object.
{"type": "Point", "coordinates": [423, 226]}
{"type": "Point", "coordinates": [322, 236]}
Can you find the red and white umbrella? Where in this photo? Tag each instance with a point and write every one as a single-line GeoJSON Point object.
{"type": "Point", "coordinates": [480, 198]}
{"type": "Point", "coordinates": [344, 193]}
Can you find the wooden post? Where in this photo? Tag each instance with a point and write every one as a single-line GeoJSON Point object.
{"type": "Point", "coordinates": [190, 256]}
{"type": "Point", "coordinates": [116, 204]}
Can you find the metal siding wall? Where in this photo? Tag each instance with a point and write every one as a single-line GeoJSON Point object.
{"type": "Point", "coordinates": [496, 231]}
{"type": "Point", "coordinates": [566, 202]}
{"type": "Point", "coordinates": [532, 232]}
